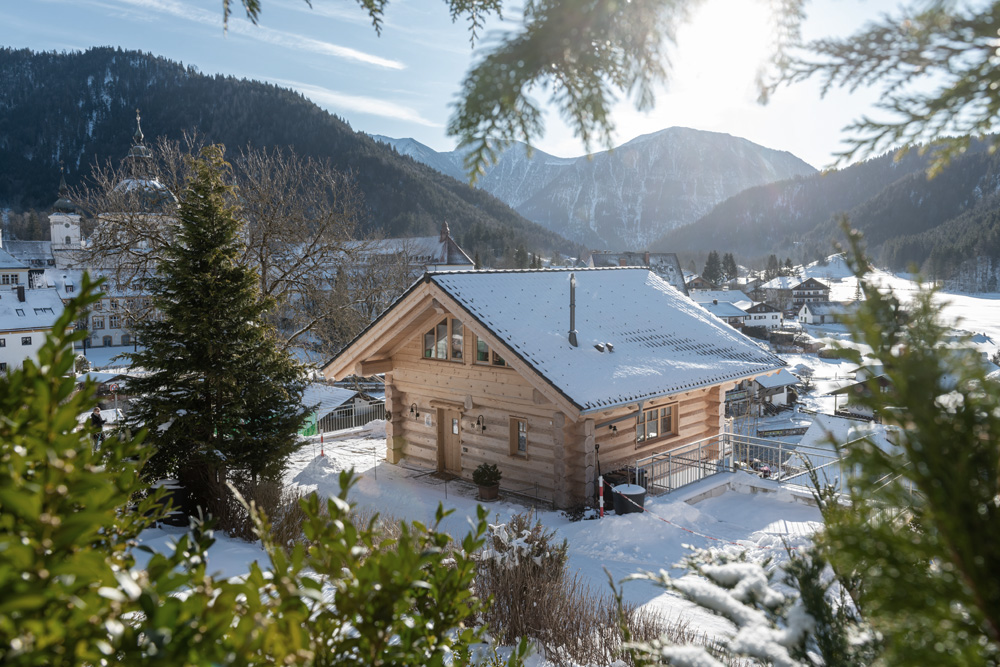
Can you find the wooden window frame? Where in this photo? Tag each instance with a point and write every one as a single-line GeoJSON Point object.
{"type": "Point", "coordinates": [447, 341]}
{"type": "Point", "coordinates": [665, 411]}
{"type": "Point", "coordinates": [492, 358]}
{"type": "Point", "coordinates": [516, 424]}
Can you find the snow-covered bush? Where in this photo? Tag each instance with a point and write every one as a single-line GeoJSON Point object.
{"type": "Point", "coordinates": [792, 615]}
{"type": "Point", "coordinates": [523, 569]}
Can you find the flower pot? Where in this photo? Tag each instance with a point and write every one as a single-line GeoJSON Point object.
{"type": "Point", "coordinates": [489, 492]}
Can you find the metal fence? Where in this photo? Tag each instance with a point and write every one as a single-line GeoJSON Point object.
{"type": "Point", "coordinates": [350, 416]}
{"type": "Point", "coordinates": [771, 459]}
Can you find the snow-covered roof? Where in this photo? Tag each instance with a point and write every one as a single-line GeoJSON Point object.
{"type": "Point", "coordinates": [663, 342]}
{"type": "Point", "coordinates": [428, 250]}
{"type": "Point", "coordinates": [722, 309]}
{"type": "Point", "coordinates": [39, 310]}
{"type": "Point", "coordinates": [325, 397]}
{"type": "Point", "coordinates": [720, 295]}
{"type": "Point", "coordinates": [780, 379]}
{"type": "Point", "coordinates": [664, 264]}
{"type": "Point", "coordinates": [29, 252]}
{"type": "Point", "coordinates": [782, 282]}
{"type": "Point", "coordinates": [761, 308]}
{"type": "Point", "coordinates": [8, 262]}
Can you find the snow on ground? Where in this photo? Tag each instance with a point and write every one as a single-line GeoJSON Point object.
{"type": "Point", "coordinates": [621, 544]}
{"type": "Point", "coordinates": [104, 357]}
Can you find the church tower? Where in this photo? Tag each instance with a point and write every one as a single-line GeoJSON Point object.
{"type": "Point", "coordinates": [64, 226]}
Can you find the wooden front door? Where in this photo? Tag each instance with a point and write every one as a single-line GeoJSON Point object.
{"type": "Point", "coordinates": [450, 441]}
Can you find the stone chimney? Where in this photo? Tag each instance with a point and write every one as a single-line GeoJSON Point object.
{"type": "Point", "coordinates": [445, 232]}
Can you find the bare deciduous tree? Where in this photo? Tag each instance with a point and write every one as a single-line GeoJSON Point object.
{"type": "Point", "coordinates": [302, 233]}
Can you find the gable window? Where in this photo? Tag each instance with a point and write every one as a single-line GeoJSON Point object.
{"type": "Point", "coordinates": [3, 366]}
{"type": "Point", "coordinates": [3, 342]}
{"type": "Point", "coordinates": [518, 436]}
{"type": "Point", "coordinates": [656, 423]}
{"type": "Point", "coordinates": [445, 341]}
{"type": "Point", "coordinates": [486, 355]}
{"type": "Point", "coordinates": [25, 340]}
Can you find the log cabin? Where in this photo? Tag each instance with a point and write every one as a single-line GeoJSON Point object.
{"type": "Point", "coordinates": [533, 370]}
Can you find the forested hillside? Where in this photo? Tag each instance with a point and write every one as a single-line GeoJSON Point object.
{"type": "Point", "coordinates": [940, 224]}
{"type": "Point", "coordinates": [80, 108]}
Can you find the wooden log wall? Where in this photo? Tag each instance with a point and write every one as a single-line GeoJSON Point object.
{"type": "Point", "coordinates": [474, 390]}
{"type": "Point", "coordinates": [699, 415]}
{"type": "Point", "coordinates": [561, 462]}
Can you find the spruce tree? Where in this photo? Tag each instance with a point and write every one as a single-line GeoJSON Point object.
{"type": "Point", "coordinates": [713, 268]}
{"type": "Point", "coordinates": [220, 395]}
{"type": "Point", "coordinates": [729, 267]}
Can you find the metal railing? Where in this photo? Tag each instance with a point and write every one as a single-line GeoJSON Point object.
{"type": "Point", "coordinates": [349, 416]}
{"type": "Point", "coordinates": [771, 459]}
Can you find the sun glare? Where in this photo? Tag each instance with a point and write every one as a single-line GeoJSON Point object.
{"type": "Point", "coordinates": [719, 52]}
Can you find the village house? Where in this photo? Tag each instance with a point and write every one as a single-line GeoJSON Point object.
{"type": "Point", "coordinates": [809, 291]}
{"type": "Point", "coordinates": [763, 315]}
{"type": "Point", "coordinates": [825, 312]}
{"type": "Point", "coordinates": [778, 291]}
{"type": "Point", "coordinates": [26, 318]}
{"type": "Point", "coordinates": [725, 311]}
{"type": "Point", "coordinates": [699, 283]}
{"type": "Point", "coordinates": [543, 371]}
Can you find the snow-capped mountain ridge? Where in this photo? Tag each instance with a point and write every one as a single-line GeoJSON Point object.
{"type": "Point", "coordinates": [626, 197]}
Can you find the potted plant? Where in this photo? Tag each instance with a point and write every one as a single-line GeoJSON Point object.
{"type": "Point", "coordinates": [487, 477]}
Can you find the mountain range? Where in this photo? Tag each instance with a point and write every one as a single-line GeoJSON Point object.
{"type": "Point", "coordinates": [628, 197]}
{"type": "Point", "coordinates": [942, 225]}
{"type": "Point", "coordinates": [79, 108]}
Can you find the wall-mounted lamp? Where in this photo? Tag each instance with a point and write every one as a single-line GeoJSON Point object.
{"type": "Point", "coordinates": [481, 424]}
{"type": "Point", "coordinates": [414, 411]}
{"type": "Point", "coordinates": [613, 428]}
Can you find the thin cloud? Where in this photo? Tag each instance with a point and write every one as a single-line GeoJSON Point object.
{"type": "Point", "coordinates": [284, 39]}
{"type": "Point", "coordinates": [357, 103]}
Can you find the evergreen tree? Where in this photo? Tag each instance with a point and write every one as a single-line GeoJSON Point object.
{"type": "Point", "coordinates": [713, 268]}
{"type": "Point", "coordinates": [520, 258]}
{"type": "Point", "coordinates": [729, 268]}
{"type": "Point", "coordinates": [773, 269]}
{"type": "Point", "coordinates": [219, 394]}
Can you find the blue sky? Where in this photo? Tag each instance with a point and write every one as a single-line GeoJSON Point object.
{"type": "Point", "coordinates": [403, 84]}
